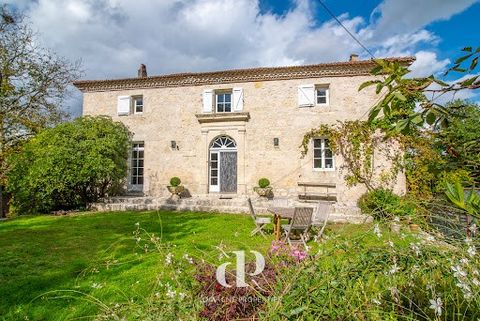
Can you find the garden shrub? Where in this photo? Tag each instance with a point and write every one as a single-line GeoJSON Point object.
{"type": "Point", "coordinates": [377, 275]}
{"type": "Point", "coordinates": [383, 204]}
{"type": "Point", "coordinates": [175, 181]}
{"type": "Point", "coordinates": [69, 166]}
{"type": "Point", "coordinates": [263, 182]}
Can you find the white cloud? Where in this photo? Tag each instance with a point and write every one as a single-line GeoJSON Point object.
{"type": "Point", "coordinates": [112, 37]}
{"type": "Point", "coordinates": [427, 63]}
{"type": "Point", "coordinates": [403, 16]}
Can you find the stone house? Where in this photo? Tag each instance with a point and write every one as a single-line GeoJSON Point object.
{"type": "Point", "coordinates": [222, 131]}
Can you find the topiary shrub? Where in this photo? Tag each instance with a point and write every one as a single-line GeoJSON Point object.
{"type": "Point", "coordinates": [175, 181]}
{"type": "Point", "coordinates": [381, 204]}
{"type": "Point", "coordinates": [263, 182]}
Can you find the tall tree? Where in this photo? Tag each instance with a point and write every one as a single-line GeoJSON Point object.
{"type": "Point", "coordinates": [459, 143]}
{"type": "Point", "coordinates": [33, 86]}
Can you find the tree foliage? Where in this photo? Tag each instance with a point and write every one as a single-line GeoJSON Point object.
{"type": "Point", "coordinates": [459, 143]}
{"type": "Point", "coordinates": [70, 165]}
{"type": "Point", "coordinates": [33, 84]}
{"type": "Point", "coordinates": [398, 91]}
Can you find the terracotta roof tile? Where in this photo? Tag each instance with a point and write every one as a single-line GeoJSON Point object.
{"type": "Point", "coordinates": [349, 68]}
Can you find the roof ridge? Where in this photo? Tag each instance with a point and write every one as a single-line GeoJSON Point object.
{"type": "Point", "coordinates": [233, 75]}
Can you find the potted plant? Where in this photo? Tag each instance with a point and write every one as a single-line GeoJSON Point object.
{"type": "Point", "coordinates": [263, 189]}
{"type": "Point", "coordinates": [175, 188]}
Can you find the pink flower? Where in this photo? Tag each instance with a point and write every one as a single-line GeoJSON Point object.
{"type": "Point", "coordinates": [299, 255]}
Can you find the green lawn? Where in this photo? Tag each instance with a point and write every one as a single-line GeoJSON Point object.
{"type": "Point", "coordinates": [46, 253]}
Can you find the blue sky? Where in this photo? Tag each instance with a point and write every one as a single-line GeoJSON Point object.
{"type": "Point", "coordinates": [112, 37]}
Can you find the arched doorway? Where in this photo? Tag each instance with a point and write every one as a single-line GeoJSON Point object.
{"type": "Point", "coordinates": [223, 165]}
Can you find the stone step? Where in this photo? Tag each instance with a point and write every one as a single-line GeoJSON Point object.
{"type": "Point", "coordinates": [237, 204]}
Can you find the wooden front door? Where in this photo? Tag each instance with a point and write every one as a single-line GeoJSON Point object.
{"type": "Point", "coordinates": [223, 165]}
{"type": "Point", "coordinates": [228, 172]}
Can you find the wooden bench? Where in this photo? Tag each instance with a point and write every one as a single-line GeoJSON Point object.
{"type": "Point", "coordinates": [329, 195]}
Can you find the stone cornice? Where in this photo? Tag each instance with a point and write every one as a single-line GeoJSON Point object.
{"type": "Point", "coordinates": [222, 117]}
{"type": "Point", "coordinates": [335, 69]}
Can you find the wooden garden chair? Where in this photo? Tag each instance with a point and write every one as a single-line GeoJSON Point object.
{"type": "Point", "coordinates": [323, 214]}
{"type": "Point", "coordinates": [260, 222]}
{"type": "Point", "coordinates": [300, 224]}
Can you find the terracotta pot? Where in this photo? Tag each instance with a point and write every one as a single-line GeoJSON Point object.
{"type": "Point", "coordinates": [176, 190]}
{"type": "Point", "coordinates": [414, 227]}
{"type": "Point", "coordinates": [264, 192]}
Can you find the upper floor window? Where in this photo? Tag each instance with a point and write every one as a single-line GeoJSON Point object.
{"type": "Point", "coordinates": [127, 105]}
{"type": "Point", "coordinates": [322, 155]}
{"type": "Point", "coordinates": [137, 104]}
{"type": "Point", "coordinates": [223, 102]}
{"type": "Point", "coordinates": [321, 94]}
{"type": "Point", "coordinates": [312, 95]}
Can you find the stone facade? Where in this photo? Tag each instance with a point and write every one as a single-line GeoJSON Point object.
{"type": "Point", "coordinates": [270, 110]}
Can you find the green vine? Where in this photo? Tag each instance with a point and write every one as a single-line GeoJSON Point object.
{"type": "Point", "coordinates": [355, 141]}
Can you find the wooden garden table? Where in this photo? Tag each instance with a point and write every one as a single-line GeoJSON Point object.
{"type": "Point", "coordinates": [280, 213]}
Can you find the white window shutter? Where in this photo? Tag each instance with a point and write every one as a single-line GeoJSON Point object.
{"type": "Point", "coordinates": [237, 99]}
{"type": "Point", "coordinates": [207, 100]}
{"type": "Point", "coordinates": [123, 105]}
{"type": "Point", "coordinates": [306, 95]}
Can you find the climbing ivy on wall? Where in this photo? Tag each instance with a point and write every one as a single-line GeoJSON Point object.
{"type": "Point", "coordinates": [355, 142]}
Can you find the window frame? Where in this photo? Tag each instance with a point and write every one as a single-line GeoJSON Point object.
{"type": "Point", "coordinates": [223, 92]}
{"type": "Point", "coordinates": [322, 157]}
{"type": "Point", "coordinates": [134, 104]}
{"type": "Point", "coordinates": [138, 146]}
{"type": "Point", "coordinates": [327, 95]}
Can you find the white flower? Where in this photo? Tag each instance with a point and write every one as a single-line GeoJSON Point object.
{"type": "Point", "coordinates": [376, 230]}
{"type": "Point", "coordinates": [390, 243]}
{"type": "Point", "coordinates": [436, 305]}
{"type": "Point", "coordinates": [394, 269]}
{"type": "Point", "coordinates": [188, 258]}
{"type": "Point", "coordinates": [137, 224]}
{"type": "Point", "coordinates": [471, 251]}
{"type": "Point", "coordinates": [475, 282]}
{"type": "Point", "coordinates": [415, 249]}
{"type": "Point", "coordinates": [168, 258]}
{"type": "Point", "coordinates": [171, 293]}
{"type": "Point", "coordinates": [463, 286]}
{"type": "Point", "coordinates": [395, 294]}
{"type": "Point", "coordinates": [464, 261]}
{"type": "Point", "coordinates": [236, 234]}
{"type": "Point", "coordinates": [458, 272]}
{"type": "Point", "coordinates": [467, 292]}
{"type": "Point", "coordinates": [181, 295]}
{"type": "Point", "coordinates": [97, 286]}
{"type": "Point", "coordinates": [430, 238]}
{"type": "Point", "coordinates": [396, 219]}
{"type": "Point", "coordinates": [377, 302]}
{"type": "Point", "coordinates": [473, 228]}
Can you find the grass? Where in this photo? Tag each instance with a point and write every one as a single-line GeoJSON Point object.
{"type": "Point", "coordinates": [47, 253]}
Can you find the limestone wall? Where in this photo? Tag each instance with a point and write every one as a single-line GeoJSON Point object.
{"type": "Point", "coordinates": [170, 114]}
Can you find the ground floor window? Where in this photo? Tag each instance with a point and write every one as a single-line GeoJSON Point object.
{"type": "Point", "coordinates": [322, 154]}
{"type": "Point", "coordinates": [136, 166]}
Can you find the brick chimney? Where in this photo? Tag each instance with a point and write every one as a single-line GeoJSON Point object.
{"type": "Point", "coordinates": [353, 57]}
{"type": "Point", "coordinates": [142, 71]}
